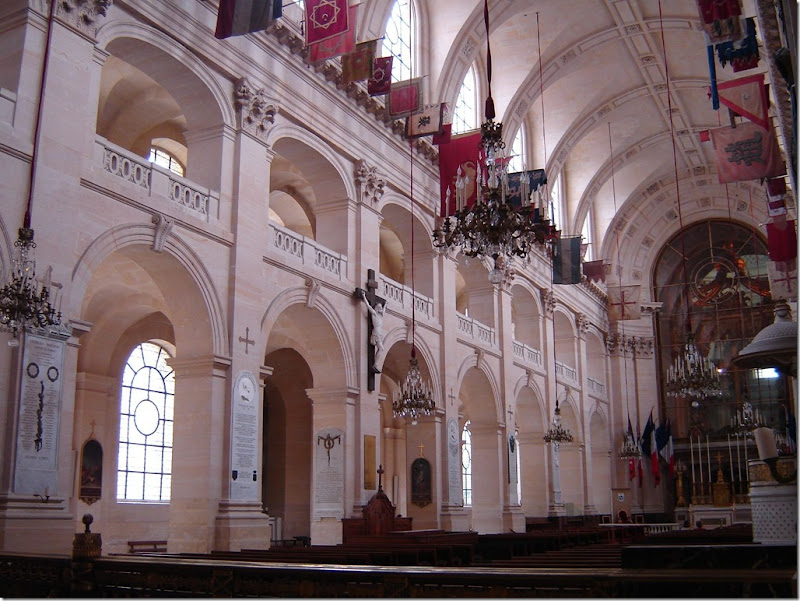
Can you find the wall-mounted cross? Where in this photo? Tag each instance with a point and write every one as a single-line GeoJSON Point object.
{"type": "Point", "coordinates": [421, 450]}
{"type": "Point", "coordinates": [247, 341]}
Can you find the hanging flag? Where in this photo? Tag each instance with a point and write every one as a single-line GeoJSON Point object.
{"type": "Point", "coordinates": [380, 82]}
{"type": "Point", "coordinates": [458, 172]}
{"type": "Point", "coordinates": [664, 444]}
{"type": "Point", "coordinates": [623, 302]}
{"type": "Point", "coordinates": [426, 122]}
{"type": "Point", "coordinates": [631, 461]}
{"type": "Point", "coordinates": [237, 17]}
{"type": "Point", "coordinates": [746, 152]}
{"type": "Point", "coordinates": [742, 54]}
{"type": "Point", "coordinates": [747, 97]}
{"type": "Point", "coordinates": [357, 65]}
{"type": "Point", "coordinates": [782, 239]}
{"type": "Point", "coordinates": [594, 271]}
{"type": "Point", "coordinates": [334, 46]}
{"type": "Point", "coordinates": [567, 260]}
{"type": "Point", "coordinates": [445, 135]}
{"type": "Point", "coordinates": [720, 19]}
{"type": "Point", "coordinates": [405, 97]}
{"type": "Point", "coordinates": [782, 279]}
{"type": "Point", "coordinates": [649, 449]}
{"type": "Point", "coordinates": [326, 19]}
{"type": "Point", "coordinates": [524, 183]}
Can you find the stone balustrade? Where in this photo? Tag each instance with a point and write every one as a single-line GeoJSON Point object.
{"type": "Point", "coordinates": [309, 252]}
{"type": "Point", "coordinates": [400, 295]}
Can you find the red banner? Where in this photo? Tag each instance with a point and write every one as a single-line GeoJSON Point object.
{"type": "Point", "coordinates": [746, 152]}
{"type": "Point", "coordinates": [458, 172]}
{"type": "Point", "coordinates": [326, 19]}
{"type": "Point", "coordinates": [337, 45]}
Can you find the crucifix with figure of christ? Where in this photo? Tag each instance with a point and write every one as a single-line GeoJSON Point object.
{"type": "Point", "coordinates": [376, 306]}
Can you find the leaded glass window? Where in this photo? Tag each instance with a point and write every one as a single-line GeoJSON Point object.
{"type": "Point", "coordinates": [465, 115]}
{"type": "Point", "coordinates": [398, 41]}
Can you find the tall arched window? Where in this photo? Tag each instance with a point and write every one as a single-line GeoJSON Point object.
{"type": "Point", "coordinates": [144, 463]}
{"type": "Point", "coordinates": [398, 40]}
{"type": "Point", "coordinates": [517, 161]}
{"type": "Point", "coordinates": [555, 202]}
{"type": "Point", "coordinates": [586, 235]}
{"type": "Point", "coordinates": [465, 115]}
{"type": "Point", "coordinates": [466, 464]}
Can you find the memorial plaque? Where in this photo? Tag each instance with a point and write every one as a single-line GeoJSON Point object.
{"type": "Point", "coordinates": [512, 470]}
{"type": "Point", "coordinates": [244, 438]}
{"type": "Point", "coordinates": [329, 473]}
{"type": "Point", "coordinates": [39, 416]}
{"type": "Point", "coordinates": [454, 463]}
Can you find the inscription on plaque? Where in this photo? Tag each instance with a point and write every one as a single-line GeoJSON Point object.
{"type": "Point", "coordinates": [244, 438]}
{"type": "Point", "coordinates": [454, 463]}
{"type": "Point", "coordinates": [39, 415]}
{"type": "Point", "coordinates": [329, 473]}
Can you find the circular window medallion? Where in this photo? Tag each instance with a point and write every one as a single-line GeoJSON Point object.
{"type": "Point", "coordinates": [146, 417]}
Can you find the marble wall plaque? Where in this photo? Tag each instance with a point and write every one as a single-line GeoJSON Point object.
{"type": "Point", "coordinates": [454, 463]}
{"type": "Point", "coordinates": [244, 438]}
{"type": "Point", "coordinates": [329, 473]}
{"type": "Point", "coordinates": [39, 418]}
{"type": "Point", "coordinates": [513, 476]}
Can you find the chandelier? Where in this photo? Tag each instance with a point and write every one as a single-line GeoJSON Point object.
{"type": "Point", "coordinates": [692, 375]}
{"type": "Point", "coordinates": [557, 434]}
{"type": "Point", "coordinates": [415, 397]}
{"type": "Point", "coordinates": [23, 300]}
{"type": "Point", "coordinates": [745, 420]}
{"type": "Point", "coordinates": [493, 227]}
{"type": "Point", "coordinates": [629, 449]}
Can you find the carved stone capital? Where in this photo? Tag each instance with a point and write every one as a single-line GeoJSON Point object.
{"type": "Point", "coordinates": [644, 346]}
{"type": "Point", "coordinates": [371, 185]}
{"type": "Point", "coordinates": [583, 323]}
{"type": "Point", "coordinates": [82, 15]}
{"type": "Point", "coordinates": [163, 228]}
{"type": "Point", "coordinates": [548, 302]}
{"type": "Point", "coordinates": [255, 112]}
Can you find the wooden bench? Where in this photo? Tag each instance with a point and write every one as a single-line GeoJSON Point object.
{"type": "Point", "coordinates": [147, 546]}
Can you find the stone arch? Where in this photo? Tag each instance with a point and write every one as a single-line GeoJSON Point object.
{"type": "Point", "coordinates": [332, 370]}
{"type": "Point", "coordinates": [205, 103]}
{"type": "Point", "coordinates": [600, 459]}
{"type": "Point", "coordinates": [396, 227]}
{"type": "Point", "coordinates": [134, 239]}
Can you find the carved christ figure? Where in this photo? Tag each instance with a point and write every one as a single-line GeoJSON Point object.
{"type": "Point", "coordinates": [376, 338]}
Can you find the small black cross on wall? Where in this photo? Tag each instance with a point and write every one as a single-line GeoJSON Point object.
{"type": "Point", "coordinates": [247, 341]}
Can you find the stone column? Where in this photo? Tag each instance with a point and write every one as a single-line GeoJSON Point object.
{"type": "Point", "coordinates": [199, 451]}
{"type": "Point", "coordinates": [582, 324]}
{"type": "Point", "coordinates": [334, 414]}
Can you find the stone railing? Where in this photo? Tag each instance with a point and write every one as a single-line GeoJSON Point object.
{"type": "Point", "coordinates": [158, 181]}
{"type": "Point", "coordinates": [566, 373]}
{"type": "Point", "coordinates": [400, 295]}
{"type": "Point", "coordinates": [527, 353]}
{"type": "Point", "coordinates": [309, 252]}
{"type": "Point", "coordinates": [658, 528]}
{"type": "Point", "coordinates": [596, 387]}
{"type": "Point", "coordinates": [475, 329]}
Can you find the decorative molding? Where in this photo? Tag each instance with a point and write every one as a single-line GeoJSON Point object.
{"type": "Point", "coordinates": [254, 110]}
{"type": "Point", "coordinates": [644, 346]}
{"type": "Point", "coordinates": [371, 185]}
{"type": "Point", "coordinates": [162, 230]}
{"type": "Point", "coordinates": [313, 289]}
{"type": "Point", "coordinates": [82, 15]}
{"type": "Point", "coordinates": [583, 323]}
{"type": "Point", "coordinates": [548, 302]}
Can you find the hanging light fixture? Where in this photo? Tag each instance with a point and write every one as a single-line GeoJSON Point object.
{"type": "Point", "coordinates": [415, 396]}
{"type": "Point", "coordinates": [24, 301]}
{"type": "Point", "coordinates": [492, 227]}
{"type": "Point", "coordinates": [557, 434]}
{"type": "Point", "coordinates": [745, 420]}
{"type": "Point", "coordinates": [691, 374]}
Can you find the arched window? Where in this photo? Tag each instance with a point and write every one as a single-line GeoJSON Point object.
{"type": "Point", "coordinates": [164, 159]}
{"type": "Point", "coordinates": [586, 237]}
{"type": "Point", "coordinates": [398, 40]}
{"type": "Point", "coordinates": [517, 162]}
{"type": "Point", "coordinates": [144, 463]}
{"type": "Point", "coordinates": [555, 202]}
{"type": "Point", "coordinates": [466, 465]}
{"type": "Point", "coordinates": [465, 115]}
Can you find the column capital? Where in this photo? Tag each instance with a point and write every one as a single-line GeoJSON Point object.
{"type": "Point", "coordinates": [82, 16]}
{"type": "Point", "coordinates": [369, 181]}
{"type": "Point", "coordinates": [201, 365]}
{"type": "Point", "coordinates": [333, 395]}
{"type": "Point", "coordinates": [255, 111]}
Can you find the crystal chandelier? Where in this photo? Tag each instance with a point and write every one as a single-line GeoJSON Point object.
{"type": "Point", "coordinates": [557, 434]}
{"type": "Point", "coordinates": [746, 419]}
{"type": "Point", "coordinates": [23, 300]}
{"type": "Point", "coordinates": [692, 375]}
{"type": "Point", "coordinates": [629, 449]}
{"type": "Point", "coordinates": [415, 397]}
{"type": "Point", "coordinates": [493, 227]}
